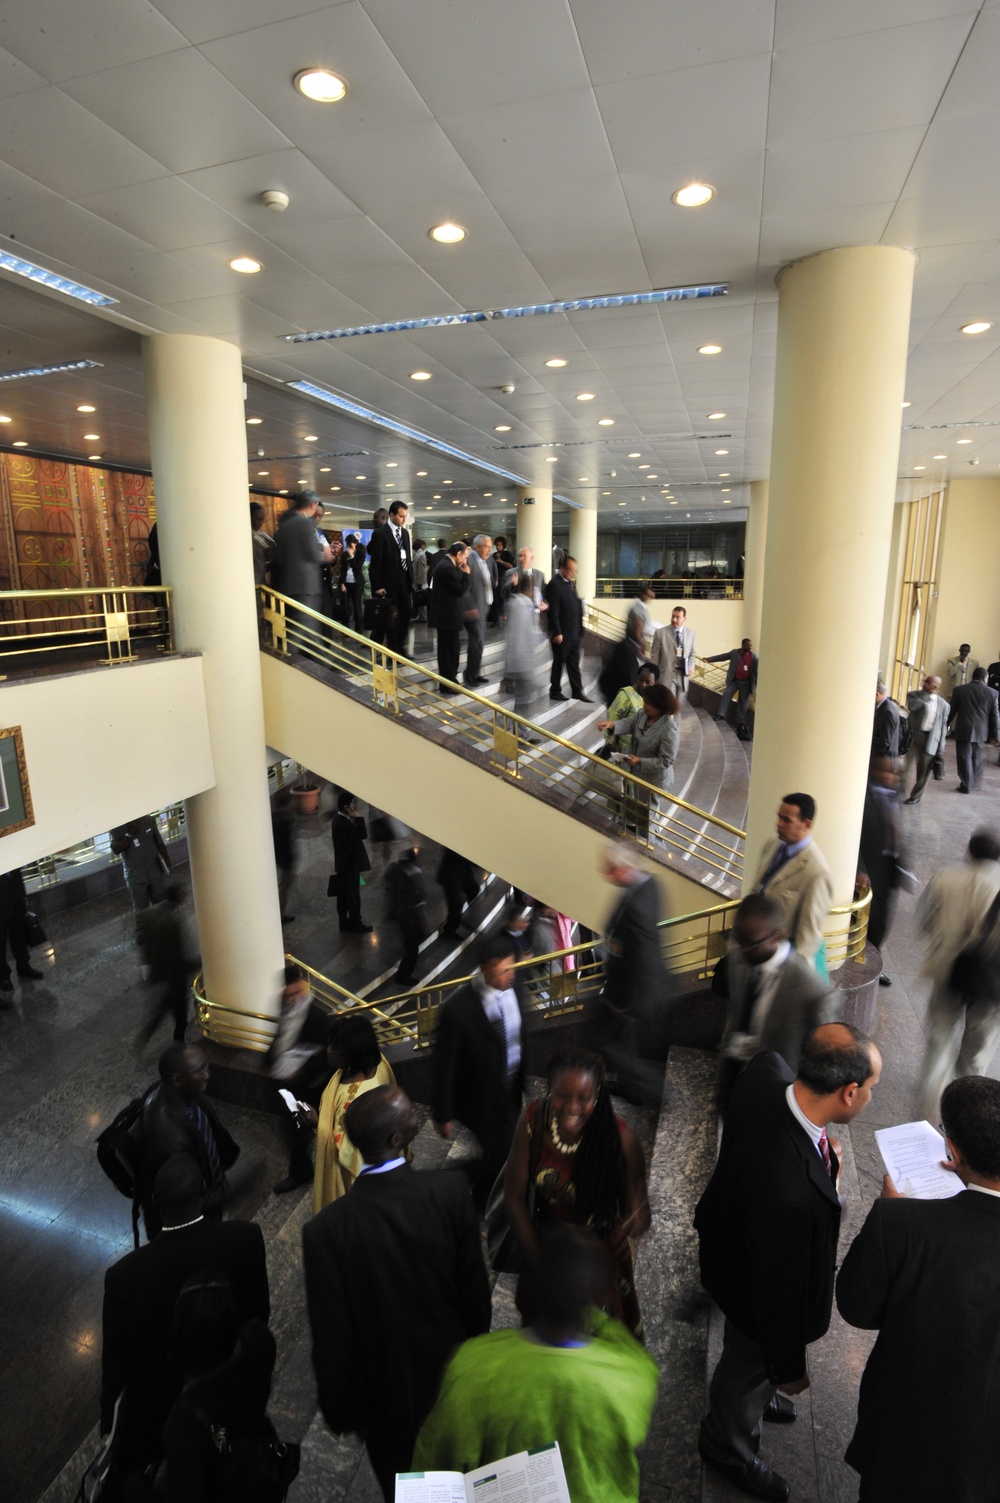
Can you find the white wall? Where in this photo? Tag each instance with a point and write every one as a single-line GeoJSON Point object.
{"type": "Point", "coordinates": [104, 744]}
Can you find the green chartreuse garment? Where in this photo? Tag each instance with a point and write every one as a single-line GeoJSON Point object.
{"type": "Point", "coordinates": [507, 1392]}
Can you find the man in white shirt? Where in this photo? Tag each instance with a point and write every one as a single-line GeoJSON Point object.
{"type": "Point", "coordinates": [929, 719]}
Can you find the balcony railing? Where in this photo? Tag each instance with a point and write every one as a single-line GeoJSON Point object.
{"type": "Point", "coordinates": [693, 944]}
{"type": "Point", "coordinates": [112, 625]}
{"type": "Point", "coordinates": [677, 587]}
{"type": "Point", "coordinates": [528, 754]}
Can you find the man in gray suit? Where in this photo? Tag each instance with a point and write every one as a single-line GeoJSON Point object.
{"type": "Point", "coordinates": [976, 718]}
{"type": "Point", "coordinates": [482, 574]}
{"type": "Point", "coordinates": [673, 651]}
{"type": "Point", "coordinates": [513, 577]}
{"type": "Point", "coordinates": [775, 997]}
{"type": "Point", "coordinates": [929, 721]}
{"type": "Point", "coordinates": [297, 564]}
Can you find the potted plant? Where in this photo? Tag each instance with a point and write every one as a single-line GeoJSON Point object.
{"type": "Point", "coordinates": [305, 792]}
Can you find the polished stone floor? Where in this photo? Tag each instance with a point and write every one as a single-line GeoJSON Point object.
{"type": "Point", "coordinates": [67, 1063]}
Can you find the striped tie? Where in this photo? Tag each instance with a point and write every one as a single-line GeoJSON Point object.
{"type": "Point", "coordinates": [204, 1129]}
{"type": "Point", "coordinates": [824, 1148]}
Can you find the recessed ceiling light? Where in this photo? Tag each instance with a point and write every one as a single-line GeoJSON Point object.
{"type": "Point", "coordinates": [605, 422]}
{"type": "Point", "coordinates": [722, 451]}
{"type": "Point", "coordinates": [263, 472]}
{"type": "Point", "coordinates": [421, 474]}
{"type": "Point", "coordinates": [420, 375]}
{"type": "Point", "coordinates": [552, 459]}
{"type": "Point", "coordinates": [5, 419]}
{"type": "Point", "coordinates": [556, 363]}
{"type": "Point", "coordinates": [723, 474]}
{"type": "Point", "coordinates": [447, 482]}
{"type": "Point", "coordinates": [673, 503]}
{"type": "Point", "coordinates": [320, 85]}
{"type": "Point", "coordinates": [605, 493]}
{"type": "Point", "coordinates": [939, 456]}
{"type": "Point", "coordinates": [361, 477]}
{"type": "Point", "coordinates": [636, 454]}
{"type": "Point", "coordinates": [251, 422]}
{"type": "Point", "coordinates": [487, 495]}
{"type": "Point", "coordinates": [447, 233]}
{"type": "Point", "coordinates": [907, 404]}
{"type": "Point", "coordinates": [335, 487]}
{"type": "Point", "coordinates": [979, 327]}
{"type": "Point", "coordinates": [283, 493]}
{"type": "Point", "coordinates": [920, 467]}
{"type": "Point", "coordinates": [91, 438]}
{"type": "Point", "coordinates": [503, 500]}
{"type": "Point", "coordinates": [651, 476]}
{"type": "Point", "coordinates": [644, 467]}
{"type": "Point", "coordinates": [392, 464]}
{"type": "Point", "coordinates": [964, 440]}
{"type": "Point", "coordinates": [245, 264]}
{"type": "Point", "coordinates": [727, 502]}
{"type": "Point", "coordinates": [390, 485]}
{"type": "Point", "coordinates": [502, 428]}
{"type": "Point", "coordinates": [310, 438]}
{"type": "Point", "coordinates": [456, 500]}
{"type": "Point", "coordinates": [583, 479]}
{"type": "Point", "coordinates": [86, 407]}
{"type": "Point", "coordinates": [710, 349]}
{"type": "Point", "coordinates": [693, 195]}
{"type": "Point", "coordinates": [437, 497]}
{"type": "Point", "coordinates": [93, 456]}
{"type": "Point", "coordinates": [324, 469]}
{"type": "Point", "coordinates": [714, 415]}
{"type": "Point", "coordinates": [726, 488]}
{"type": "Point", "coordinates": [585, 396]}
{"type": "Point", "coordinates": [621, 503]}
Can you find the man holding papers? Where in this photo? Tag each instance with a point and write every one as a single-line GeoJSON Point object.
{"type": "Point", "coordinates": [768, 1225]}
{"type": "Point", "coordinates": [926, 1275]}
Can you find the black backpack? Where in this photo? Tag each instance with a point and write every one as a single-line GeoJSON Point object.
{"type": "Point", "coordinates": [119, 1152]}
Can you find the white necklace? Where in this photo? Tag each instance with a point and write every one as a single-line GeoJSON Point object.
{"type": "Point", "coordinates": [557, 1140]}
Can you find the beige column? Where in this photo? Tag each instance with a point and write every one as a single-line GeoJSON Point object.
{"type": "Point", "coordinates": [197, 433]}
{"type": "Point", "coordinates": [583, 546]}
{"type": "Point", "coordinates": [534, 524]}
{"type": "Point", "coordinates": [843, 321]}
{"type": "Point", "coordinates": [753, 579]}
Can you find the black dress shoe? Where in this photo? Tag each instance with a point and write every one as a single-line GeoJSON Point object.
{"type": "Point", "coordinates": [556, 695]}
{"type": "Point", "coordinates": [289, 1183]}
{"type": "Point", "coordinates": [29, 973]}
{"type": "Point", "coordinates": [754, 1477]}
{"type": "Point", "coordinates": [360, 928]}
{"type": "Point", "coordinates": [479, 680]}
{"type": "Point", "coordinates": [443, 689]}
{"type": "Point", "coordinates": [405, 980]}
{"type": "Point", "coordinates": [884, 980]}
{"type": "Point", "coordinates": [911, 801]}
{"type": "Point", "coordinates": [961, 788]}
{"type": "Point", "coordinates": [584, 698]}
{"type": "Point", "coordinates": [781, 1410]}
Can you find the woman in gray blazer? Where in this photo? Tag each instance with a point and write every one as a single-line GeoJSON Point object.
{"type": "Point", "coordinates": [655, 731]}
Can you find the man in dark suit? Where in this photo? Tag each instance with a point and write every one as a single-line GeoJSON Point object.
{"type": "Point", "coordinates": [350, 859]}
{"type": "Point", "coordinates": [885, 726]}
{"type": "Point", "coordinates": [140, 1291]}
{"type": "Point", "coordinates": [768, 1224]}
{"type": "Point", "coordinates": [395, 1281]}
{"type": "Point", "coordinates": [976, 718]}
{"type": "Point", "coordinates": [451, 581]}
{"type": "Point", "coordinates": [478, 1063]}
{"type": "Point", "coordinates": [13, 916]}
{"type": "Point", "coordinates": [880, 855]}
{"type": "Point", "coordinates": [565, 630]}
{"type": "Point", "coordinates": [635, 978]}
{"type": "Point", "coordinates": [776, 999]}
{"type": "Point", "coordinates": [925, 1274]}
{"type": "Point", "coordinates": [390, 574]}
{"type": "Point", "coordinates": [741, 680]}
{"type": "Point", "coordinates": [179, 1119]}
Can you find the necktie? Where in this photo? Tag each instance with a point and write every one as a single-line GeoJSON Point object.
{"type": "Point", "coordinates": [824, 1148]}
{"type": "Point", "coordinates": [777, 862]}
{"type": "Point", "coordinates": [501, 1027]}
{"type": "Point", "coordinates": [750, 996]}
{"type": "Point", "coordinates": [680, 641]}
{"type": "Point", "coordinates": [207, 1136]}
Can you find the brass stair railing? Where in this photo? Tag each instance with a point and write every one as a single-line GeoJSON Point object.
{"type": "Point", "coordinates": [105, 622]}
{"type": "Point", "coordinates": [676, 587]}
{"type": "Point", "coordinates": [526, 753]}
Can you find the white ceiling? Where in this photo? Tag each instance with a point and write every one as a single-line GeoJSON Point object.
{"type": "Point", "coordinates": [136, 141]}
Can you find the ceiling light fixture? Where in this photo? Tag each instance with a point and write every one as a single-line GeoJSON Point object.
{"type": "Point", "coordinates": [939, 456]}
{"type": "Point", "coordinates": [585, 396]}
{"type": "Point", "coordinates": [335, 487]}
{"type": "Point", "coordinates": [48, 278]}
{"type": "Point", "coordinates": [311, 438]}
{"type": "Point", "coordinates": [49, 370]}
{"type": "Point", "coordinates": [528, 310]}
{"type": "Point", "coordinates": [714, 416]}
{"type": "Point", "coordinates": [726, 488]}
{"type": "Point", "coordinates": [651, 476]}
{"type": "Point", "coordinates": [502, 428]}
{"type": "Point", "coordinates": [325, 469]}
{"type": "Point", "coordinates": [251, 422]}
{"type": "Point", "coordinates": [320, 85]}
{"type": "Point", "coordinates": [978, 327]}
{"type": "Point", "coordinates": [919, 467]}
{"type": "Point", "coordinates": [605, 422]}
{"type": "Point", "coordinates": [246, 264]}
{"type": "Point", "coordinates": [446, 482]}
{"type": "Point", "coordinates": [263, 472]}
{"type": "Point", "coordinates": [93, 456]}
{"type": "Point", "coordinates": [644, 467]}
{"type": "Point", "coordinates": [552, 459]}
{"type": "Point", "coordinates": [710, 349]}
{"type": "Point", "coordinates": [392, 464]}
{"type": "Point", "coordinates": [636, 454]}
{"type": "Point", "coordinates": [420, 375]}
{"type": "Point", "coordinates": [723, 474]}
{"type": "Point", "coordinates": [556, 363]}
{"type": "Point", "coordinates": [91, 438]}
{"type": "Point", "coordinates": [20, 443]}
{"type": "Point", "coordinates": [583, 479]}
{"type": "Point", "coordinates": [907, 404]}
{"type": "Point", "coordinates": [963, 440]}
{"type": "Point", "coordinates": [437, 496]}
{"type": "Point", "coordinates": [693, 196]}
{"type": "Point", "coordinates": [86, 407]}
{"type": "Point", "coordinates": [421, 474]}
{"type": "Point", "coordinates": [361, 477]}
{"type": "Point", "coordinates": [283, 493]}
{"type": "Point", "coordinates": [447, 233]}
{"type": "Point", "coordinates": [722, 451]}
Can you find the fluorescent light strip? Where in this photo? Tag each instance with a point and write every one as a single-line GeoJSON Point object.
{"type": "Point", "coordinates": [50, 370]}
{"type": "Point", "coordinates": [368, 416]}
{"type": "Point", "coordinates": [529, 310]}
{"type": "Point", "coordinates": [53, 279]}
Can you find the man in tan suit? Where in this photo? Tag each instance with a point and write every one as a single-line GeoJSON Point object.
{"type": "Point", "coordinates": [793, 871]}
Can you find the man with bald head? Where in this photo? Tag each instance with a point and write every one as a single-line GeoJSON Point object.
{"type": "Point", "coordinates": [395, 1281]}
{"type": "Point", "coordinates": [929, 722]}
{"type": "Point", "coordinates": [768, 1224]}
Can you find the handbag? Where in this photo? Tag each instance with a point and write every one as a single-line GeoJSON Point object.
{"type": "Point", "coordinates": [34, 934]}
{"type": "Point", "coordinates": [503, 1247]}
{"type": "Point", "coordinates": [975, 971]}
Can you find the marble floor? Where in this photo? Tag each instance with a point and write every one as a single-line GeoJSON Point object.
{"type": "Point", "coordinates": [67, 1064]}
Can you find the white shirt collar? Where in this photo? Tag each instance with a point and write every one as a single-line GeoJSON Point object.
{"type": "Point", "coordinates": [815, 1133]}
{"type": "Point", "coordinates": [182, 1224]}
{"type": "Point", "coordinates": [382, 1168]}
{"type": "Point", "coordinates": [983, 1190]}
{"type": "Point", "coordinates": [777, 960]}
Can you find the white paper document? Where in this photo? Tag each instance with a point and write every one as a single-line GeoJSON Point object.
{"type": "Point", "coordinates": [529, 1477]}
{"type": "Point", "coordinates": [912, 1155]}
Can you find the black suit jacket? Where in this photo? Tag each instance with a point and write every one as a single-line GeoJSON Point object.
{"type": "Point", "coordinates": [565, 610]}
{"type": "Point", "coordinates": [350, 855]}
{"type": "Point", "coordinates": [164, 1129]}
{"type": "Point", "coordinates": [974, 713]}
{"type": "Point", "coordinates": [386, 570]}
{"type": "Point", "coordinates": [880, 839]}
{"type": "Point", "coordinates": [449, 589]}
{"type": "Point", "coordinates": [635, 978]}
{"type": "Point", "coordinates": [395, 1281]}
{"type": "Point", "coordinates": [621, 670]}
{"type": "Point", "coordinates": [926, 1275]}
{"type": "Point", "coordinates": [768, 1223]}
{"type": "Point", "coordinates": [885, 729]}
{"type": "Point", "coordinates": [469, 1067]}
{"type": "Point", "coordinates": [140, 1291]}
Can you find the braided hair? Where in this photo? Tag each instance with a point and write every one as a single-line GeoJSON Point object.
{"type": "Point", "coordinates": [599, 1170]}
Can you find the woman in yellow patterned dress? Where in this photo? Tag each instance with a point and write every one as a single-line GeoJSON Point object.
{"type": "Point", "coordinates": [359, 1065]}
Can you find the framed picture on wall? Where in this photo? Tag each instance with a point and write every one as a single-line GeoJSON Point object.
{"type": "Point", "coordinates": [16, 812]}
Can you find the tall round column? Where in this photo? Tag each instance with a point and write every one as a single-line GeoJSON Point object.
{"type": "Point", "coordinates": [583, 546]}
{"type": "Point", "coordinates": [534, 524]}
{"type": "Point", "coordinates": [843, 322]}
{"type": "Point", "coordinates": [197, 434]}
{"type": "Point", "coordinates": [753, 569]}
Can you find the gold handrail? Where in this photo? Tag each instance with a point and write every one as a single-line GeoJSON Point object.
{"type": "Point", "coordinates": [112, 617]}
{"type": "Point", "coordinates": [674, 587]}
{"type": "Point", "coordinates": [709, 675]}
{"type": "Point", "coordinates": [518, 748]}
{"type": "Point", "coordinates": [693, 942]}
